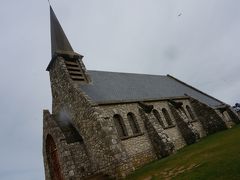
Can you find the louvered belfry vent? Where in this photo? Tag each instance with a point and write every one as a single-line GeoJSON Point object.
{"type": "Point", "coordinates": [75, 71]}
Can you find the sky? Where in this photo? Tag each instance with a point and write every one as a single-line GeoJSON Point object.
{"type": "Point", "coordinates": [197, 41]}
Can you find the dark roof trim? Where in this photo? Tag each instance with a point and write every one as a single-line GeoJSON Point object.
{"type": "Point", "coordinates": [195, 89]}
{"type": "Point", "coordinates": [136, 101]}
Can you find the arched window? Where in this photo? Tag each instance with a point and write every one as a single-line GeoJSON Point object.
{"type": "Point", "coordinates": [167, 117]}
{"type": "Point", "coordinates": [53, 159]}
{"type": "Point", "coordinates": [158, 117]}
{"type": "Point", "coordinates": [183, 110]}
{"type": "Point", "coordinates": [121, 128]}
{"type": "Point", "coordinates": [190, 112]}
{"type": "Point", "coordinates": [133, 123]}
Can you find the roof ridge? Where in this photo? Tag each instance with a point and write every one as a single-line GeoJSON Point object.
{"type": "Point", "coordinates": [125, 73]}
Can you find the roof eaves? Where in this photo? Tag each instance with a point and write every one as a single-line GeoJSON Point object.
{"type": "Point", "coordinates": [138, 100]}
{"type": "Point", "coordinates": [195, 89]}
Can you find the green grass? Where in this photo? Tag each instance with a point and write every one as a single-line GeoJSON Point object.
{"type": "Point", "coordinates": [214, 157]}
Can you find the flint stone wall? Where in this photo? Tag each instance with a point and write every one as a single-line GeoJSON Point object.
{"type": "Point", "coordinates": [226, 118]}
{"type": "Point", "coordinates": [137, 146]}
{"type": "Point", "coordinates": [194, 122]}
{"type": "Point", "coordinates": [190, 135]}
{"type": "Point", "coordinates": [73, 158]}
{"type": "Point", "coordinates": [154, 140]}
{"type": "Point", "coordinates": [233, 115]}
{"type": "Point", "coordinates": [161, 142]}
{"type": "Point", "coordinates": [208, 117]}
{"type": "Point", "coordinates": [104, 150]}
{"type": "Point", "coordinates": [172, 131]}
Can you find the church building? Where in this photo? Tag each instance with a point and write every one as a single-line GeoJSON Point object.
{"type": "Point", "coordinates": [108, 124]}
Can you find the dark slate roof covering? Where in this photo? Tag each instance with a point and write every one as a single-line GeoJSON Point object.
{"type": "Point", "coordinates": [59, 40]}
{"type": "Point", "coordinates": [110, 87]}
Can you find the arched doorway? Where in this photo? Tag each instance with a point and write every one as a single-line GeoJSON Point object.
{"type": "Point", "coordinates": [53, 159]}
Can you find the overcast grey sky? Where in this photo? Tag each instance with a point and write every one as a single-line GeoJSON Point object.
{"type": "Point", "coordinates": [196, 41]}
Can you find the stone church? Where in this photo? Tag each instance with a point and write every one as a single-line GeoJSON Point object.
{"type": "Point", "coordinates": [108, 124]}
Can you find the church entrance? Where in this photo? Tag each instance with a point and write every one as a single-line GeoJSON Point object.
{"type": "Point", "coordinates": [53, 159]}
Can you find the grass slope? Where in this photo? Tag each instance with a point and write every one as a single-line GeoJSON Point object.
{"type": "Point", "coordinates": [214, 157]}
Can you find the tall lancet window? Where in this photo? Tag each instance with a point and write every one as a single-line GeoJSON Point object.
{"type": "Point", "coordinates": [61, 47]}
{"type": "Point", "coordinates": [167, 117]}
{"type": "Point", "coordinates": [53, 159]}
{"type": "Point", "coordinates": [190, 112]}
{"type": "Point", "coordinates": [183, 110]}
{"type": "Point", "coordinates": [158, 117]}
{"type": "Point", "coordinates": [133, 123]}
{"type": "Point", "coordinates": [120, 126]}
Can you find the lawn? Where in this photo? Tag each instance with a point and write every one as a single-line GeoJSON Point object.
{"type": "Point", "coordinates": [213, 157]}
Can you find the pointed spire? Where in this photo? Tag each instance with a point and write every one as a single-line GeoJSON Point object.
{"type": "Point", "coordinates": [58, 38]}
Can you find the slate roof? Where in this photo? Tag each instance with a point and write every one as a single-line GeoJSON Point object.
{"type": "Point", "coordinates": [108, 87]}
{"type": "Point", "coordinates": [59, 40]}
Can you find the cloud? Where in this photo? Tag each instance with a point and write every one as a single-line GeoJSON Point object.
{"type": "Point", "coordinates": [200, 47]}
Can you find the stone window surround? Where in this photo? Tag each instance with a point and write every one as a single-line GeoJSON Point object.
{"type": "Point", "coordinates": [167, 117]}
{"type": "Point", "coordinates": [191, 113]}
{"type": "Point", "coordinates": [159, 109]}
{"type": "Point", "coordinates": [158, 117]}
{"type": "Point", "coordinates": [120, 126]}
{"type": "Point", "coordinates": [140, 133]}
{"type": "Point", "coordinates": [133, 123]}
{"type": "Point", "coordinates": [165, 124]}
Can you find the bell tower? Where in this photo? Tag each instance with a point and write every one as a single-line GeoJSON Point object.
{"type": "Point", "coordinates": [61, 48]}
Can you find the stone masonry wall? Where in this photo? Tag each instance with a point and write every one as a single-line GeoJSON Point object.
{"type": "Point", "coordinates": [208, 117]}
{"type": "Point", "coordinates": [233, 115]}
{"type": "Point", "coordinates": [161, 142]}
{"type": "Point", "coordinates": [172, 131]}
{"type": "Point", "coordinates": [155, 138]}
{"type": "Point", "coordinates": [137, 146]}
{"type": "Point", "coordinates": [102, 150]}
{"type": "Point", "coordinates": [198, 126]}
{"type": "Point", "coordinates": [188, 132]}
{"type": "Point", "coordinates": [105, 151]}
{"type": "Point", "coordinates": [226, 118]}
{"type": "Point", "coordinates": [71, 158]}
{"type": "Point", "coordinates": [193, 121]}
